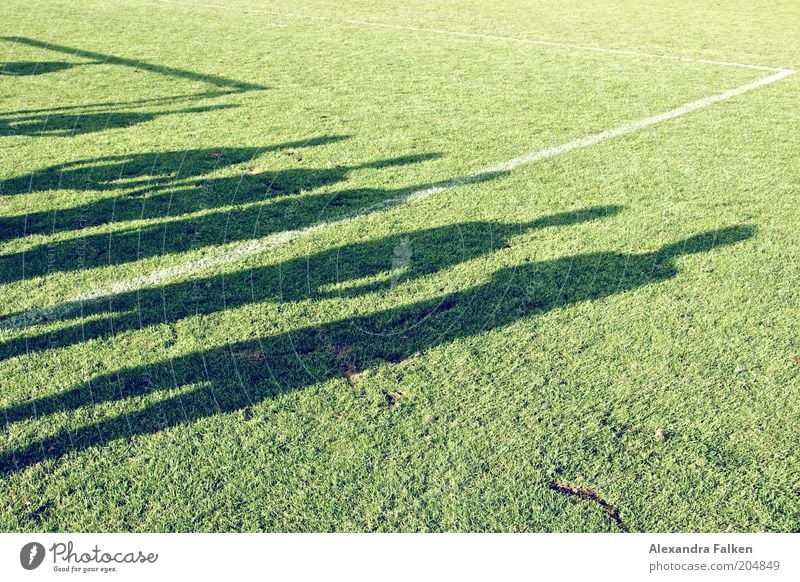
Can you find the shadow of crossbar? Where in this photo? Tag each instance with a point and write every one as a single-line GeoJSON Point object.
{"type": "Point", "coordinates": [138, 64]}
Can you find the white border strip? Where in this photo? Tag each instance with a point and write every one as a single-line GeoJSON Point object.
{"type": "Point", "coordinates": [253, 247]}
{"type": "Point", "coordinates": [465, 34]}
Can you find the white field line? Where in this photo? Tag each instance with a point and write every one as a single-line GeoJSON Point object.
{"type": "Point", "coordinates": [465, 34]}
{"type": "Point", "coordinates": [256, 246]}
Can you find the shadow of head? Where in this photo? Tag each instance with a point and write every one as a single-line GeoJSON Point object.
{"type": "Point", "coordinates": [573, 217]}
{"type": "Point", "coordinates": [707, 241]}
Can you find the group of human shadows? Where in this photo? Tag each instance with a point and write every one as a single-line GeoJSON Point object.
{"type": "Point", "coordinates": [175, 189]}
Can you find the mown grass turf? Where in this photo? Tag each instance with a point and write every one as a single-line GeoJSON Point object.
{"type": "Point", "coordinates": [498, 356]}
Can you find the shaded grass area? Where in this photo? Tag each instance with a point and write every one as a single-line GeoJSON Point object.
{"type": "Point", "coordinates": [599, 342]}
{"type": "Point", "coordinates": [349, 346]}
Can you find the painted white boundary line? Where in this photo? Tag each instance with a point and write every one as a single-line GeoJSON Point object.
{"type": "Point", "coordinates": [633, 126]}
{"type": "Point", "coordinates": [253, 247]}
{"type": "Point", "coordinates": [492, 37]}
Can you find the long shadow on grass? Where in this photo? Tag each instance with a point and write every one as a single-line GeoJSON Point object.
{"type": "Point", "coordinates": [138, 64]}
{"type": "Point", "coordinates": [388, 261]}
{"type": "Point", "coordinates": [31, 68]}
{"type": "Point", "coordinates": [127, 104]}
{"type": "Point", "coordinates": [231, 378]}
{"type": "Point", "coordinates": [248, 212]}
{"type": "Point", "coordinates": [134, 175]}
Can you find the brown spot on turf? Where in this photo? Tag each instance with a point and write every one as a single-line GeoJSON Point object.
{"type": "Point", "coordinates": [346, 364]}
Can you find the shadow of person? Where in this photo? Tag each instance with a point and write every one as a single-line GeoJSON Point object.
{"type": "Point", "coordinates": [30, 68]}
{"type": "Point", "coordinates": [318, 276]}
{"type": "Point", "coordinates": [227, 379]}
{"type": "Point", "coordinates": [148, 172]}
{"type": "Point", "coordinates": [67, 125]}
{"type": "Point", "coordinates": [248, 213]}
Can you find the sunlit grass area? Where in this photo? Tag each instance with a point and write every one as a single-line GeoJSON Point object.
{"type": "Point", "coordinates": [255, 274]}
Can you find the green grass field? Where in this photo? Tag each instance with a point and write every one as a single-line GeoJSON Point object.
{"type": "Point", "coordinates": [226, 306]}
